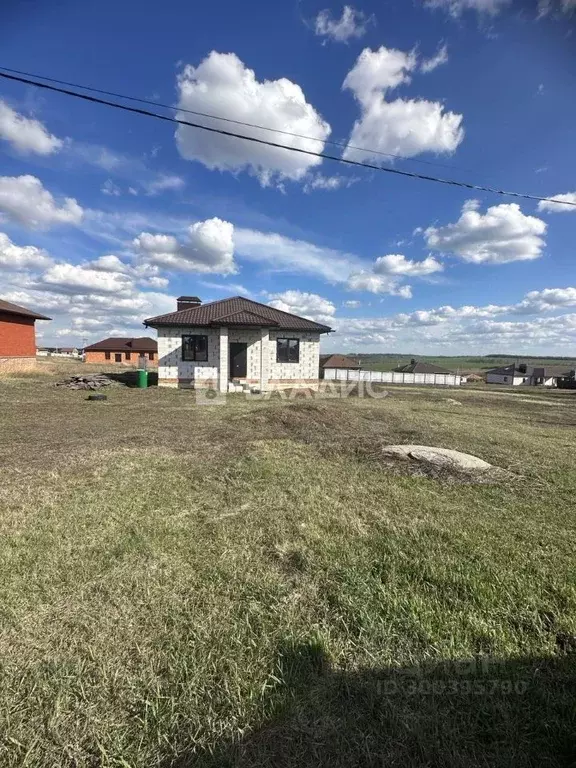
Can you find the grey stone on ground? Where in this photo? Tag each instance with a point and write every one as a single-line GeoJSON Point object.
{"type": "Point", "coordinates": [438, 457]}
{"type": "Point", "coordinates": [452, 401]}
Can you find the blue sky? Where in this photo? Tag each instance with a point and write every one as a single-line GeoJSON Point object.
{"type": "Point", "coordinates": [106, 217]}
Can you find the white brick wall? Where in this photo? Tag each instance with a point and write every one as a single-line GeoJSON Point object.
{"type": "Point", "coordinates": [171, 367]}
{"type": "Point", "coordinates": [260, 360]}
{"type": "Point", "coordinates": [309, 363]}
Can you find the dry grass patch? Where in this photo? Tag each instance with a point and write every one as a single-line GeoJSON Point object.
{"type": "Point", "coordinates": [245, 586]}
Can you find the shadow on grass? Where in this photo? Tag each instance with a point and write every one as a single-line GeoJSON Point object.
{"type": "Point", "coordinates": [483, 712]}
{"type": "Point", "coordinates": [130, 378]}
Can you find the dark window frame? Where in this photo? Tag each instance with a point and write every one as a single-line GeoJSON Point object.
{"type": "Point", "coordinates": [194, 356]}
{"type": "Point", "coordinates": [128, 356]}
{"type": "Point", "coordinates": [287, 350]}
{"type": "Point", "coordinates": [107, 355]}
{"type": "Point", "coordinates": [150, 356]}
{"type": "Point", "coordinates": [117, 357]}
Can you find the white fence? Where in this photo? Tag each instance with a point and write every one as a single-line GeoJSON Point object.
{"type": "Point", "coordinates": [391, 377]}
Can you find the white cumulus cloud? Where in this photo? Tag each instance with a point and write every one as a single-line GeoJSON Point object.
{"type": "Point", "coordinates": [25, 134]}
{"type": "Point", "coordinates": [560, 207]}
{"type": "Point", "coordinates": [501, 235]}
{"type": "Point", "coordinates": [398, 264]}
{"type": "Point", "coordinates": [352, 24]}
{"type": "Point", "coordinates": [370, 282]}
{"type": "Point", "coordinates": [546, 300]}
{"type": "Point", "coordinates": [209, 247]}
{"type": "Point", "coordinates": [377, 71]}
{"type": "Point", "coordinates": [77, 278]}
{"type": "Point", "coordinates": [222, 85]}
{"type": "Point", "coordinates": [404, 127]}
{"type": "Point", "coordinates": [25, 200]}
{"type": "Point", "coordinates": [309, 305]}
{"type": "Point", "coordinates": [18, 257]}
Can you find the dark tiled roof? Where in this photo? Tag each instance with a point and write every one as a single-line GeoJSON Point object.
{"type": "Point", "coordinates": [245, 318]}
{"type": "Point", "coordinates": [555, 371]}
{"type": "Point", "coordinates": [338, 361]}
{"type": "Point", "coordinates": [14, 309]}
{"type": "Point", "coordinates": [508, 370]}
{"type": "Point", "coordinates": [417, 367]}
{"type": "Point", "coordinates": [215, 311]}
{"type": "Point", "coordinates": [116, 344]}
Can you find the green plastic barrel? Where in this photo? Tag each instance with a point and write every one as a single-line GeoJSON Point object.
{"type": "Point", "coordinates": [142, 379]}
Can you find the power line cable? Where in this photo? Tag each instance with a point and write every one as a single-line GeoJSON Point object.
{"type": "Point", "coordinates": [254, 140]}
{"type": "Point", "coordinates": [333, 143]}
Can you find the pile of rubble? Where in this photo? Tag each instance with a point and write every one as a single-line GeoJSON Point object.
{"type": "Point", "coordinates": [86, 381]}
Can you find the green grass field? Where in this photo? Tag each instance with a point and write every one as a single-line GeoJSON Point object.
{"type": "Point", "coordinates": [252, 585]}
{"type": "Point", "coordinates": [378, 362]}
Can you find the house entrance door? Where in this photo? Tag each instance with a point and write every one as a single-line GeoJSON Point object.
{"type": "Point", "coordinates": [238, 359]}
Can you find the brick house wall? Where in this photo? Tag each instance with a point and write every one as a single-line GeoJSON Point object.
{"type": "Point", "coordinates": [17, 336]}
{"type": "Point", "coordinates": [99, 356]}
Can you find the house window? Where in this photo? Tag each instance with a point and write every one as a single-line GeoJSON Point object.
{"type": "Point", "coordinates": [150, 355]}
{"type": "Point", "coordinates": [195, 348]}
{"type": "Point", "coordinates": [505, 378]}
{"type": "Point", "coordinates": [118, 357]}
{"type": "Point", "coordinates": [128, 355]}
{"type": "Point", "coordinates": [287, 350]}
{"type": "Point", "coordinates": [107, 355]}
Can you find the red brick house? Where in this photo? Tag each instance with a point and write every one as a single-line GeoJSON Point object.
{"type": "Point", "coordinates": [123, 351]}
{"type": "Point", "coordinates": [17, 336]}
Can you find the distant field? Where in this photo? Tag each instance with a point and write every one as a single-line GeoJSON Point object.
{"type": "Point", "coordinates": [377, 362]}
{"type": "Point", "coordinates": [251, 586]}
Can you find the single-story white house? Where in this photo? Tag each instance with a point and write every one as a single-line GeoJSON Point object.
{"type": "Point", "coordinates": [518, 374]}
{"type": "Point", "coordinates": [236, 342]}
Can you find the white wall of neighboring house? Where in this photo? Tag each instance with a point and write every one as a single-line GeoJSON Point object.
{"type": "Point", "coordinates": [497, 378]}
{"type": "Point", "coordinates": [263, 369]}
{"type": "Point", "coordinates": [550, 382]}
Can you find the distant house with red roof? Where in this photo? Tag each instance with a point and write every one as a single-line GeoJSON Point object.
{"type": "Point", "coordinates": [338, 362]}
{"type": "Point", "coordinates": [125, 351]}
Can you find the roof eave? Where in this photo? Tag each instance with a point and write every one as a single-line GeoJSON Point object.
{"type": "Point", "coordinates": [152, 323]}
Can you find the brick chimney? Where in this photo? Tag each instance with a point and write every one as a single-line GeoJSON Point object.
{"type": "Point", "coordinates": [187, 302]}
